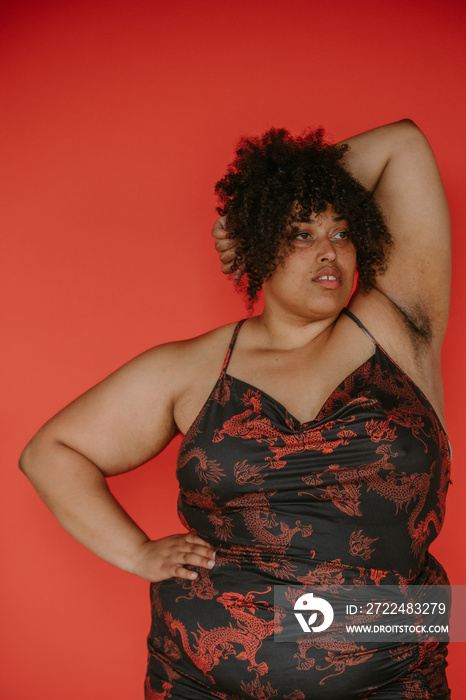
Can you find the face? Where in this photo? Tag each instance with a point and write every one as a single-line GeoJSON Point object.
{"type": "Point", "coordinates": [316, 279]}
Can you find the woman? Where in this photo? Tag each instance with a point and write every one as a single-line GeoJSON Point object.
{"type": "Point", "coordinates": [285, 480]}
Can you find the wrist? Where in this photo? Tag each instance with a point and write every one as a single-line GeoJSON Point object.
{"type": "Point", "coordinates": [134, 563]}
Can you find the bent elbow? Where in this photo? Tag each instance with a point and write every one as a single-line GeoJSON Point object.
{"type": "Point", "coordinates": [409, 138]}
{"type": "Point", "coordinates": [408, 122]}
{"type": "Point", "coordinates": [32, 454]}
{"type": "Point", "coordinates": [25, 459]}
{"type": "Point", "coordinates": [409, 128]}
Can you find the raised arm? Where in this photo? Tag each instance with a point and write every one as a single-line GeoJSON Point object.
{"type": "Point", "coordinates": [113, 428]}
{"type": "Point", "coordinates": [396, 163]}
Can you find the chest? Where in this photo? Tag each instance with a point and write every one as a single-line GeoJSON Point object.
{"type": "Point", "coordinates": [374, 429]}
{"type": "Point", "coordinates": [300, 383]}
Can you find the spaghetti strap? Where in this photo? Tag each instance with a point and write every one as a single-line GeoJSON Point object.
{"type": "Point", "coordinates": [360, 324]}
{"type": "Point", "coordinates": [232, 345]}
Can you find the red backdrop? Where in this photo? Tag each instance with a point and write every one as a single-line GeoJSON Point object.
{"type": "Point", "coordinates": [116, 120]}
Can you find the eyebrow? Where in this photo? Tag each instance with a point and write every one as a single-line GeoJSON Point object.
{"type": "Point", "coordinates": [313, 221]}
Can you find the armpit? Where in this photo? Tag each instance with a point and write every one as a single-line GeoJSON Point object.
{"type": "Point", "coordinates": [418, 322]}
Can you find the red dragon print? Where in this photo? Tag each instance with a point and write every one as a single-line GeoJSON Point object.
{"type": "Point", "coordinates": [213, 644]}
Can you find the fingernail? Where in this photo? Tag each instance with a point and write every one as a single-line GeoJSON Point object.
{"type": "Point", "coordinates": [193, 575]}
{"type": "Point", "coordinates": [211, 563]}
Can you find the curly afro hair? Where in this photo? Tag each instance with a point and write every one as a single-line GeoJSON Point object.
{"type": "Point", "coordinates": [273, 171]}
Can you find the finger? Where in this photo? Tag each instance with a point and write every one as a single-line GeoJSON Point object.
{"type": "Point", "coordinates": [181, 572]}
{"type": "Point", "coordinates": [222, 244]}
{"type": "Point", "coordinates": [218, 229]}
{"type": "Point", "coordinates": [199, 546]}
{"type": "Point", "coordinates": [204, 552]}
{"type": "Point", "coordinates": [207, 562]}
{"type": "Point", "coordinates": [227, 256]}
{"type": "Point", "coordinates": [226, 268]}
{"type": "Point", "coordinates": [237, 273]}
{"type": "Point", "coordinates": [192, 538]}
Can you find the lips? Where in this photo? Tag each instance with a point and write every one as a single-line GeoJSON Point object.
{"type": "Point", "coordinates": [328, 277]}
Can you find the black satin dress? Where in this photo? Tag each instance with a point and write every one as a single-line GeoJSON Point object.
{"type": "Point", "coordinates": [354, 496]}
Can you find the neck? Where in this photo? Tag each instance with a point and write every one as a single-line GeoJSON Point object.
{"type": "Point", "coordinates": [286, 331]}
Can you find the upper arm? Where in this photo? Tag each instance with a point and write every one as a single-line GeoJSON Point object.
{"type": "Point", "coordinates": [126, 419]}
{"type": "Point", "coordinates": [397, 164]}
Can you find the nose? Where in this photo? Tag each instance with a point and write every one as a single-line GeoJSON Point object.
{"type": "Point", "coordinates": [326, 251]}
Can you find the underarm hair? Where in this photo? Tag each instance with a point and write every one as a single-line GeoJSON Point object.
{"type": "Point", "coordinates": [418, 322]}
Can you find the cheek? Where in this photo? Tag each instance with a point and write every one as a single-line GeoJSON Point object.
{"type": "Point", "coordinates": [301, 260]}
{"type": "Point", "coordinates": [351, 259]}
{"type": "Point", "coordinates": [286, 280]}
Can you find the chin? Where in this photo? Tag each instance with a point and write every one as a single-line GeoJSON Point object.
{"type": "Point", "coordinates": [331, 306]}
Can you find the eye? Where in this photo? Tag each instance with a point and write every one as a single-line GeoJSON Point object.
{"type": "Point", "coordinates": [303, 236]}
{"type": "Point", "coordinates": [341, 235]}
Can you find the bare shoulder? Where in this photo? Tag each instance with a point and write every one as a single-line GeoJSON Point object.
{"type": "Point", "coordinates": [188, 357]}
{"type": "Point", "coordinates": [182, 357]}
{"type": "Point", "coordinates": [197, 365]}
{"type": "Point", "coordinates": [131, 415]}
{"type": "Point", "coordinates": [167, 370]}
{"type": "Point", "coordinates": [181, 375]}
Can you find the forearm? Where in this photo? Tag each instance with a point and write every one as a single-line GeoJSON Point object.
{"type": "Point", "coordinates": [76, 492]}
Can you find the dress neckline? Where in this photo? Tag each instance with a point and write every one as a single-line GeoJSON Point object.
{"type": "Point", "coordinates": [298, 425]}
{"type": "Point", "coordinates": [319, 417]}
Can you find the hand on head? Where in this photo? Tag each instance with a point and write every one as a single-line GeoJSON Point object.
{"type": "Point", "coordinates": [227, 249]}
